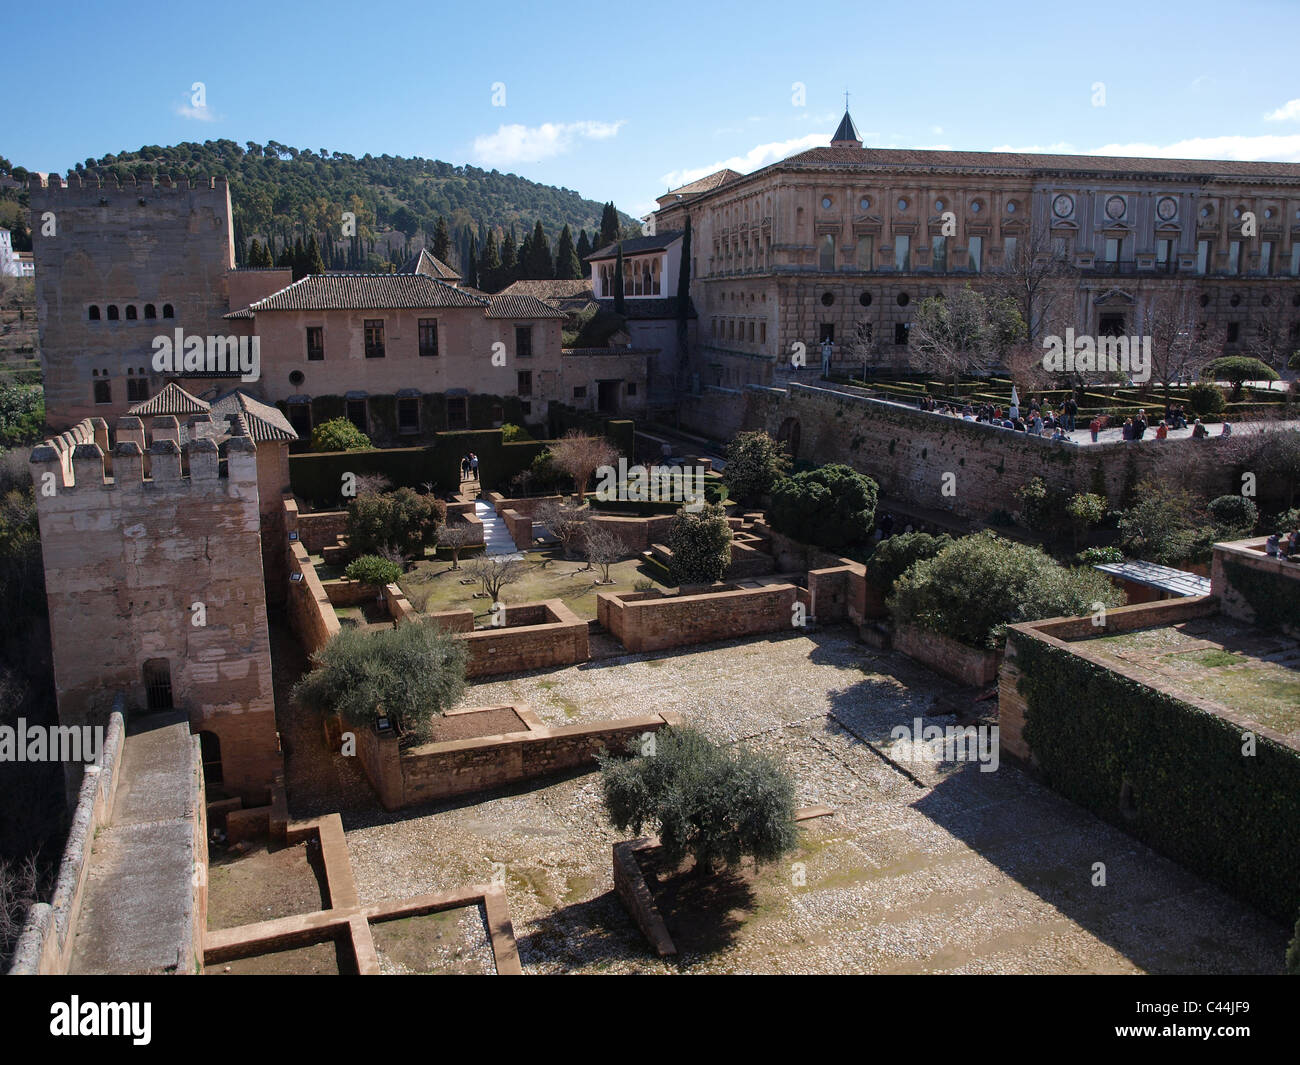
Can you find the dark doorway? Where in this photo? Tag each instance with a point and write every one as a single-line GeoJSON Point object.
{"type": "Point", "coordinates": [788, 435]}
{"type": "Point", "coordinates": [607, 396]}
{"type": "Point", "coordinates": [1111, 325]}
{"type": "Point", "coordinates": [157, 684]}
{"type": "Point", "coordinates": [210, 749]}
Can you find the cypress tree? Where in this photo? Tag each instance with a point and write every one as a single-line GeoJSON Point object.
{"type": "Point", "coordinates": [542, 266]}
{"type": "Point", "coordinates": [620, 304]}
{"type": "Point", "coordinates": [490, 271]}
{"type": "Point", "coordinates": [285, 261]}
{"type": "Point", "coordinates": [525, 258]}
{"type": "Point", "coordinates": [315, 264]}
{"type": "Point", "coordinates": [683, 294]}
{"type": "Point", "coordinates": [441, 240]}
{"type": "Point", "coordinates": [608, 225]}
{"type": "Point", "coordinates": [470, 269]}
{"type": "Point", "coordinates": [567, 267]}
{"type": "Point", "coordinates": [509, 261]}
{"type": "Point", "coordinates": [299, 260]}
{"type": "Point", "coordinates": [584, 247]}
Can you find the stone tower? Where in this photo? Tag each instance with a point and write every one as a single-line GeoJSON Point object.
{"type": "Point", "coordinates": [153, 573]}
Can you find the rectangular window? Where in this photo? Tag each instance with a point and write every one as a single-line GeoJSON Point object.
{"type": "Point", "coordinates": [1266, 257]}
{"type": "Point", "coordinates": [428, 336]}
{"type": "Point", "coordinates": [751, 332]}
{"type": "Point", "coordinates": [524, 387]}
{"type": "Point", "coordinates": [579, 391]}
{"type": "Point", "coordinates": [374, 338]}
{"type": "Point", "coordinates": [408, 414]}
{"type": "Point", "coordinates": [1114, 246]}
{"type": "Point", "coordinates": [902, 253]}
{"type": "Point", "coordinates": [315, 343]}
{"type": "Point", "coordinates": [1234, 331]}
{"type": "Point", "coordinates": [1164, 254]}
{"type": "Point", "coordinates": [1234, 256]}
{"type": "Point", "coordinates": [939, 254]}
{"type": "Point", "coordinates": [1008, 251]}
{"type": "Point", "coordinates": [137, 389]}
{"type": "Point", "coordinates": [526, 407]}
{"type": "Point", "coordinates": [826, 332]}
{"type": "Point", "coordinates": [103, 392]}
{"type": "Point", "coordinates": [1203, 256]}
{"type": "Point", "coordinates": [631, 388]}
{"type": "Point", "coordinates": [826, 258]}
{"type": "Point", "coordinates": [866, 257]}
{"type": "Point", "coordinates": [975, 247]}
{"type": "Point", "coordinates": [457, 412]}
{"type": "Point", "coordinates": [1061, 248]}
{"type": "Point", "coordinates": [523, 341]}
{"type": "Point", "coordinates": [900, 333]}
{"type": "Point", "coordinates": [356, 412]}
{"type": "Point", "coordinates": [762, 332]}
{"type": "Point", "coordinates": [1295, 260]}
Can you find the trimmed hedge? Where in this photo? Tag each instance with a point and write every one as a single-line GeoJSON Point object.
{"type": "Point", "coordinates": [1194, 797]}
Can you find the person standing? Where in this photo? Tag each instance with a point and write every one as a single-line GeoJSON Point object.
{"type": "Point", "coordinates": [826, 357]}
{"type": "Point", "coordinates": [473, 466]}
{"type": "Point", "coordinates": [1071, 409]}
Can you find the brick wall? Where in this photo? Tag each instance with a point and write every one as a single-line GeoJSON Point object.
{"type": "Point", "coordinates": [519, 526]}
{"type": "Point", "coordinates": [561, 640]}
{"type": "Point", "coordinates": [1250, 554]}
{"type": "Point", "coordinates": [321, 529]}
{"type": "Point", "coordinates": [644, 621]}
{"type": "Point", "coordinates": [311, 615]}
{"type": "Point", "coordinates": [966, 665]}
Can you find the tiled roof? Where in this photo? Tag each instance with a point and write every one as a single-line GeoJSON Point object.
{"type": "Point", "coordinates": [261, 421]}
{"type": "Point", "coordinates": [519, 305]}
{"type": "Point", "coordinates": [171, 400]}
{"type": "Point", "coordinates": [705, 184]}
{"type": "Point", "coordinates": [361, 292]}
{"type": "Point", "coordinates": [551, 290]}
{"type": "Point", "coordinates": [426, 264]}
{"type": "Point", "coordinates": [246, 312]}
{"type": "Point", "coordinates": [637, 245]}
{"type": "Point", "coordinates": [916, 157]}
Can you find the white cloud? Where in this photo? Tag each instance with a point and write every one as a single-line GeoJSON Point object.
{"type": "Point", "coordinates": [1288, 111]}
{"type": "Point", "coordinates": [758, 156]}
{"type": "Point", "coordinates": [527, 144]}
{"type": "Point", "coordinates": [200, 114]}
{"type": "Point", "coordinates": [1267, 146]}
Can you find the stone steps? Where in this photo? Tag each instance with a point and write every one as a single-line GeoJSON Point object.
{"type": "Point", "coordinates": [496, 536]}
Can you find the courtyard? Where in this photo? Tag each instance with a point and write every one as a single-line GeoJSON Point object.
{"type": "Point", "coordinates": [923, 867]}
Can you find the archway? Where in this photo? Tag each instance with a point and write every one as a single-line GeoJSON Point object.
{"type": "Point", "coordinates": [789, 436]}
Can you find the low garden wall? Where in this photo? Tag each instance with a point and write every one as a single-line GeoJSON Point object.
{"type": "Point", "coordinates": [534, 636]}
{"type": "Point", "coordinates": [651, 621]}
{"type": "Point", "coordinates": [838, 593]}
{"type": "Point", "coordinates": [458, 767]}
{"type": "Point", "coordinates": [311, 614]}
{"type": "Point", "coordinates": [971, 666]}
{"type": "Point", "coordinates": [321, 529]}
{"type": "Point", "coordinates": [1159, 765]}
{"type": "Point", "coordinates": [1254, 588]}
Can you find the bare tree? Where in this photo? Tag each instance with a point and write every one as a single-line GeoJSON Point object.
{"type": "Point", "coordinates": [861, 346]}
{"type": "Point", "coordinates": [21, 885]}
{"type": "Point", "coordinates": [603, 549]}
{"type": "Point", "coordinates": [372, 484]}
{"type": "Point", "coordinates": [1040, 281]}
{"type": "Point", "coordinates": [495, 572]}
{"type": "Point", "coordinates": [963, 333]}
{"type": "Point", "coordinates": [456, 537]}
{"type": "Point", "coordinates": [1180, 344]}
{"type": "Point", "coordinates": [564, 521]}
{"type": "Point", "coordinates": [579, 455]}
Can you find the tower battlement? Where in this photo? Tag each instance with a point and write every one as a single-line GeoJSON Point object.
{"type": "Point", "coordinates": [39, 186]}
{"type": "Point", "coordinates": [85, 458]}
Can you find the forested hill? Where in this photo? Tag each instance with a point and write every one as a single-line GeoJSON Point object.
{"type": "Point", "coordinates": [283, 194]}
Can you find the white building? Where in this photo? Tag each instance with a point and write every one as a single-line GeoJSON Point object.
{"type": "Point", "coordinates": [14, 263]}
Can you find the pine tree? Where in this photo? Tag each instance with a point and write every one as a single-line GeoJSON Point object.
{"type": "Point", "coordinates": [285, 260]}
{"type": "Point", "coordinates": [490, 272]}
{"type": "Point", "coordinates": [525, 270]}
{"type": "Point", "coordinates": [567, 267]}
{"type": "Point", "coordinates": [584, 247]}
{"type": "Point", "coordinates": [315, 264]}
{"type": "Point", "coordinates": [541, 266]}
{"type": "Point", "coordinates": [470, 267]}
{"type": "Point", "coordinates": [441, 241]}
{"type": "Point", "coordinates": [609, 227]}
{"type": "Point", "coordinates": [620, 304]}
{"type": "Point", "coordinates": [299, 260]}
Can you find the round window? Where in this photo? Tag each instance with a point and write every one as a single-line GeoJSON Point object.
{"type": "Point", "coordinates": [938, 205]}
{"type": "Point", "coordinates": [297, 377]}
{"type": "Point", "coordinates": [1011, 207]}
{"type": "Point", "coordinates": [827, 299]}
{"type": "Point", "coordinates": [864, 203]}
{"type": "Point", "coordinates": [826, 202]}
{"type": "Point", "coordinates": [902, 205]}
{"type": "Point", "coordinates": [1205, 299]}
{"type": "Point", "coordinates": [865, 299]}
{"type": "Point", "coordinates": [1266, 300]}
{"type": "Point", "coordinates": [904, 299]}
{"type": "Point", "coordinates": [1235, 301]}
{"type": "Point", "coordinates": [1115, 207]}
{"type": "Point", "coordinates": [1207, 211]}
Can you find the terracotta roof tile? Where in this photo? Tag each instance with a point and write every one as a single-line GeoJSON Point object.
{"type": "Point", "coordinates": [359, 292]}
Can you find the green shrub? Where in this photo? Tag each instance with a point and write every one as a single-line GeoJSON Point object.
{"type": "Point", "coordinates": [978, 585]}
{"type": "Point", "coordinates": [1205, 398]}
{"type": "Point", "coordinates": [832, 506]}
{"type": "Point", "coordinates": [1043, 508]}
{"type": "Point", "coordinates": [22, 415]}
{"type": "Point", "coordinates": [755, 462]}
{"type": "Point", "coordinates": [371, 569]}
{"type": "Point", "coordinates": [716, 803]}
{"type": "Point", "coordinates": [896, 555]}
{"type": "Point", "coordinates": [1095, 556]}
{"type": "Point", "coordinates": [411, 673]}
{"type": "Point", "coordinates": [1234, 516]}
{"type": "Point", "coordinates": [643, 585]}
{"type": "Point", "coordinates": [1238, 369]}
{"type": "Point", "coordinates": [338, 434]}
{"type": "Point", "coordinates": [701, 545]}
{"type": "Point", "coordinates": [401, 520]}
{"type": "Point", "coordinates": [511, 433]}
{"type": "Point", "coordinates": [1158, 527]}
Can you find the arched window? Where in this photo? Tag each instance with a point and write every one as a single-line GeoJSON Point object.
{"type": "Point", "coordinates": [168, 312]}
{"type": "Point", "coordinates": [93, 313]}
{"type": "Point", "coordinates": [131, 314]}
{"type": "Point", "coordinates": [112, 312]}
{"type": "Point", "coordinates": [150, 311]}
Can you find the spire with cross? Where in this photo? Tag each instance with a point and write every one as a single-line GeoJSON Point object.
{"type": "Point", "coordinates": [847, 134]}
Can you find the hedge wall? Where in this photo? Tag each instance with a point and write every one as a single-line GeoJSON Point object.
{"type": "Point", "coordinates": [1194, 796]}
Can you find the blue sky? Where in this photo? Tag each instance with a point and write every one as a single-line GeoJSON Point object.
{"type": "Point", "coordinates": [622, 101]}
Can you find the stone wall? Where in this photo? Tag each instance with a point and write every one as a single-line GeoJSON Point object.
{"type": "Point", "coordinates": [630, 884]}
{"type": "Point", "coordinates": [166, 571]}
{"type": "Point", "coordinates": [321, 529]}
{"type": "Point", "coordinates": [1242, 571]}
{"type": "Point", "coordinates": [649, 621]}
{"type": "Point", "coordinates": [909, 452]}
{"type": "Point", "coordinates": [535, 636]}
{"type": "Point", "coordinates": [459, 767]}
{"type": "Point", "coordinates": [966, 665]}
{"type": "Point", "coordinates": [311, 614]}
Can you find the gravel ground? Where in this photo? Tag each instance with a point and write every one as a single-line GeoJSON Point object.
{"type": "Point", "coordinates": [924, 867]}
